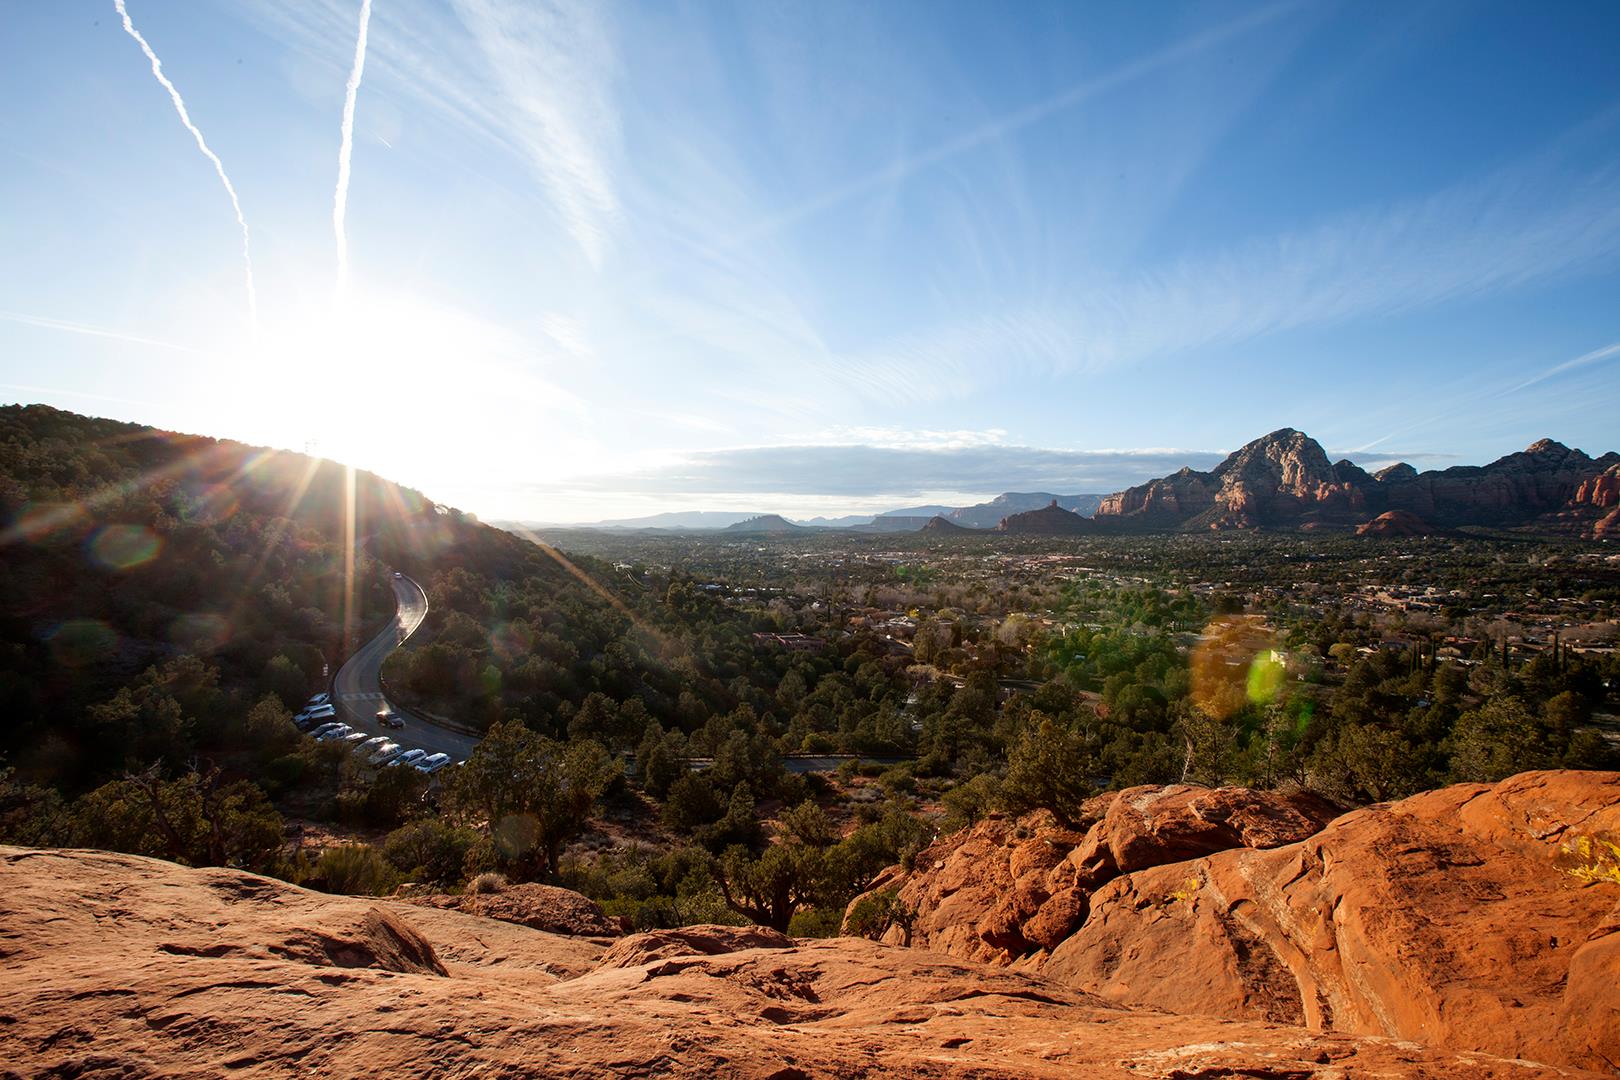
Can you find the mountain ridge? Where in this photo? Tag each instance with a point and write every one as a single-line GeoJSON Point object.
{"type": "Point", "coordinates": [1284, 480]}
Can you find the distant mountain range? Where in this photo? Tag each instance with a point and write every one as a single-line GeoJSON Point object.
{"type": "Point", "coordinates": [985, 515]}
{"type": "Point", "coordinates": [1283, 480]}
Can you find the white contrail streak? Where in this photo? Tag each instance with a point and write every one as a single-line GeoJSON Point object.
{"type": "Point", "coordinates": [340, 199]}
{"type": "Point", "coordinates": [219, 166]}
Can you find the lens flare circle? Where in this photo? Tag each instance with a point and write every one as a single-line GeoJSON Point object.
{"type": "Point", "coordinates": [124, 547]}
{"type": "Point", "coordinates": [78, 642]}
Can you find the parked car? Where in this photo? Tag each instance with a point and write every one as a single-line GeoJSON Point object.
{"type": "Point", "coordinates": [385, 753]}
{"type": "Point", "coordinates": [355, 738]}
{"type": "Point", "coordinates": [315, 712]}
{"type": "Point", "coordinates": [335, 733]}
{"type": "Point", "coordinates": [370, 745]}
{"type": "Point", "coordinates": [433, 762]}
{"type": "Point", "coordinates": [320, 699]}
{"type": "Point", "coordinates": [326, 728]}
{"type": "Point", "coordinates": [409, 757]}
{"type": "Point", "coordinates": [388, 718]}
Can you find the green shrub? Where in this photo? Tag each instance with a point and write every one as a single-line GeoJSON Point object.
{"type": "Point", "coordinates": [355, 870]}
{"type": "Point", "coordinates": [873, 914]}
{"type": "Point", "coordinates": [816, 922]}
{"type": "Point", "coordinates": [487, 883]}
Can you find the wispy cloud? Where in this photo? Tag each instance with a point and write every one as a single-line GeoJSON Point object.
{"type": "Point", "coordinates": [90, 330]}
{"type": "Point", "coordinates": [1584, 360]}
{"type": "Point", "coordinates": [340, 198]}
{"type": "Point", "coordinates": [864, 470]}
{"type": "Point", "coordinates": [534, 79]}
{"type": "Point", "coordinates": [202, 144]}
{"type": "Point", "coordinates": [1520, 227]}
{"type": "Point", "coordinates": [553, 62]}
{"type": "Point", "coordinates": [1178, 52]}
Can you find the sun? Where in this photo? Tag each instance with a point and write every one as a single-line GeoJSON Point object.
{"type": "Point", "coordinates": [414, 390]}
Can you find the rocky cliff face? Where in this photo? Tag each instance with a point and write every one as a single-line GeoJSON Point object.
{"type": "Point", "coordinates": [1281, 479]}
{"type": "Point", "coordinates": [1007, 891]}
{"type": "Point", "coordinates": [117, 966]}
{"type": "Point", "coordinates": [1284, 480]}
{"type": "Point", "coordinates": [1469, 917]}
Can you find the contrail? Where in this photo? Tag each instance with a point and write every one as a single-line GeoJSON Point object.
{"type": "Point", "coordinates": [340, 199]}
{"type": "Point", "coordinates": [219, 166]}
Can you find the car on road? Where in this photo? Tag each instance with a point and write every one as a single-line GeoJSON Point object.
{"type": "Point", "coordinates": [409, 757]}
{"type": "Point", "coordinates": [388, 718]}
{"type": "Point", "coordinates": [335, 733]}
{"type": "Point", "coordinates": [385, 753]}
{"type": "Point", "coordinates": [398, 574]}
{"type": "Point", "coordinates": [433, 762]}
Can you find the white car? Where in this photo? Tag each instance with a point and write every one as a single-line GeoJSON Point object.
{"type": "Point", "coordinates": [409, 757]}
{"type": "Point", "coordinates": [371, 745]}
{"type": "Point", "coordinates": [433, 762]}
{"type": "Point", "coordinates": [326, 729]}
{"type": "Point", "coordinates": [318, 712]}
{"type": "Point", "coordinates": [355, 738]}
{"type": "Point", "coordinates": [335, 733]}
{"type": "Point", "coordinates": [387, 752]}
{"type": "Point", "coordinates": [320, 699]}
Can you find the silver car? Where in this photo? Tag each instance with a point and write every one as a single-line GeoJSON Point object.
{"type": "Point", "coordinates": [387, 752]}
{"type": "Point", "coordinates": [409, 757]}
{"type": "Point", "coordinates": [371, 745]}
{"type": "Point", "coordinates": [433, 762]}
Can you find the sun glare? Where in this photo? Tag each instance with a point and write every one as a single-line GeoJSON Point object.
{"type": "Point", "coordinates": [415, 391]}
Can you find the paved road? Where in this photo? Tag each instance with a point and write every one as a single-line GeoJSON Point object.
{"type": "Point", "coordinates": [357, 690]}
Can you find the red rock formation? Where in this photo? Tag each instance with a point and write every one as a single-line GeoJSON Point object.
{"type": "Point", "coordinates": [1601, 491]}
{"type": "Point", "coordinates": [1284, 481]}
{"type": "Point", "coordinates": [1396, 523]}
{"type": "Point", "coordinates": [539, 907]}
{"type": "Point", "coordinates": [1006, 890]}
{"type": "Point", "coordinates": [1449, 918]}
{"type": "Point", "coordinates": [121, 966]}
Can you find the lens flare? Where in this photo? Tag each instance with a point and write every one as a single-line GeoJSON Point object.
{"type": "Point", "coordinates": [44, 522]}
{"type": "Point", "coordinates": [511, 641]}
{"type": "Point", "coordinates": [1230, 665]}
{"type": "Point", "coordinates": [77, 642]}
{"type": "Point", "coordinates": [200, 632]}
{"type": "Point", "coordinates": [515, 835]}
{"type": "Point", "coordinates": [1266, 677]}
{"type": "Point", "coordinates": [211, 505]}
{"type": "Point", "coordinates": [124, 547]}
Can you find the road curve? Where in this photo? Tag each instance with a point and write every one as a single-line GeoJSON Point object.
{"type": "Point", "coordinates": [357, 690]}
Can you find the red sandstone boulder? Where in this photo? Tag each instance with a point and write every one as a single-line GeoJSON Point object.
{"type": "Point", "coordinates": [1455, 918]}
{"type": "Point", "coordinates": [690, 941]}
{"type": "Point", "coordinates": [1008, 890]}
{"type": "Point", "coordinates": [539, 907]}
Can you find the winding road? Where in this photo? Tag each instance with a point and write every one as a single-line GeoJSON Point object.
{"type": "Point", "coordinates": [357, 690]}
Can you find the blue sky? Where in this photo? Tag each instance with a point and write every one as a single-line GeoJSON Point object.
{"type": "Point", "coordinates": [608, 259]}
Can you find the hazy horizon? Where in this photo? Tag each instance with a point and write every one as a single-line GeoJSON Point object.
{"type": "Point", "coordinates": [575, 261]}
